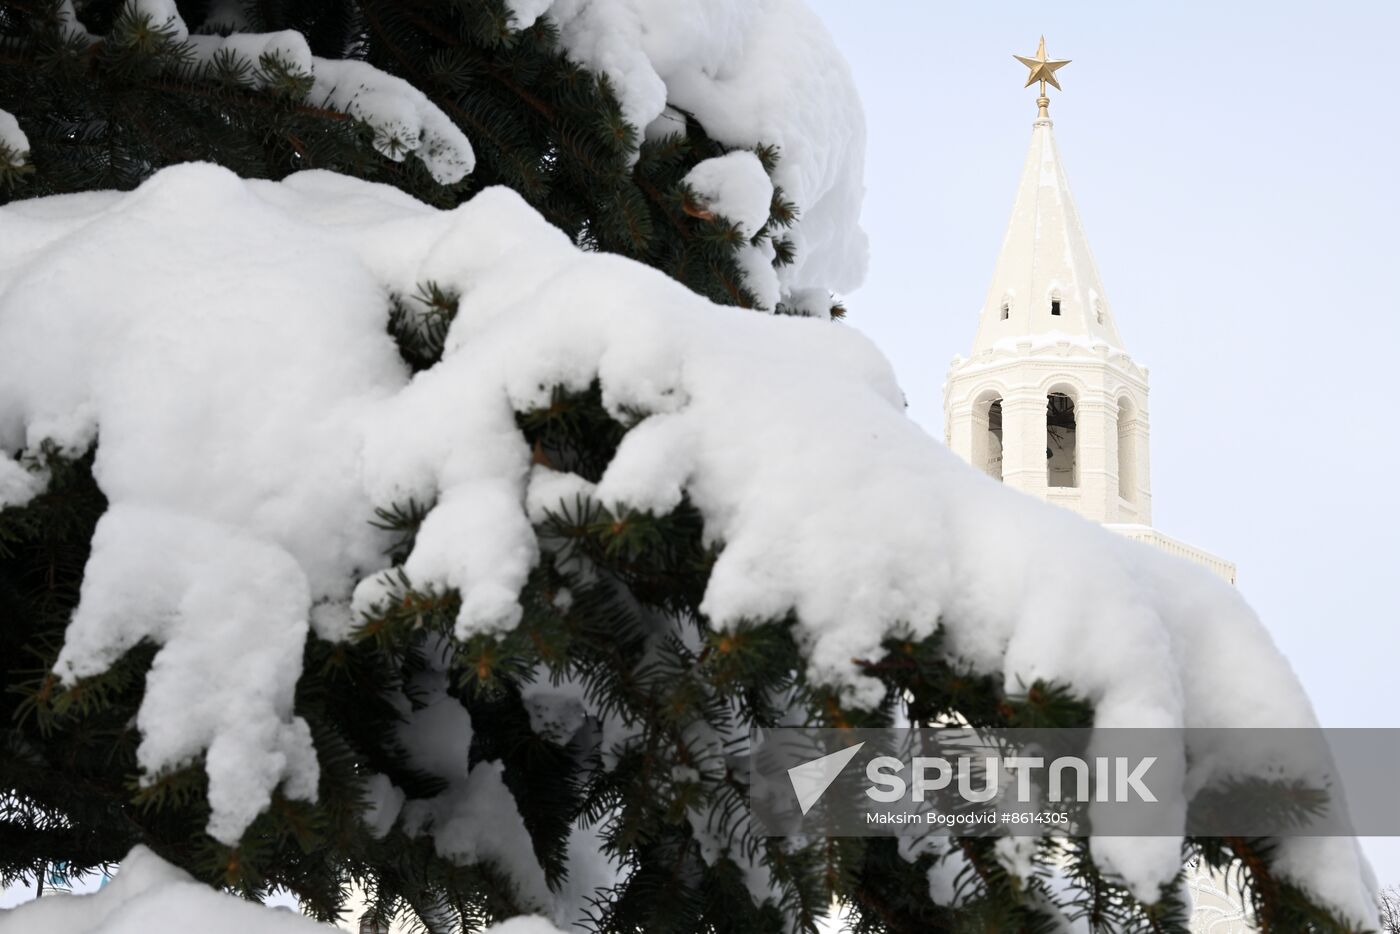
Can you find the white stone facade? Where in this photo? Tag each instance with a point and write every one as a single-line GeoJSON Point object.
{"type": "Point", "coordinates": [1100, 468]}
{"type": "Point", "coordinates": [1049, 402]}
{"type": "Point", "coordinates": [1048, 355]}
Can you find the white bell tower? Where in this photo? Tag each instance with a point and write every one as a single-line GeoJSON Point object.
{"type": "Point", "coordinates": [1049, 401]}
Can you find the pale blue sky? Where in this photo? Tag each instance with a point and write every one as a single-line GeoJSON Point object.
{"type": "Point", "coordinates": [1237, 168]}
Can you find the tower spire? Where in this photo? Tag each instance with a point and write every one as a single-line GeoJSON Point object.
{"type": "Point", "coordinates": [1046, 285]}
{"type": "Point", "coordinates": [1043, 70]}
{"type": "Point", "coordinates": [1049, 402]}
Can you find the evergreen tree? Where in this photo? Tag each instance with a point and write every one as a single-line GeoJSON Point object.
{"type": "Point", "coordinates": [613, 605]}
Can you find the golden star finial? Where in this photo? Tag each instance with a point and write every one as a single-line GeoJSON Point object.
{"type": "Point", "coordinates": [1043, 70]}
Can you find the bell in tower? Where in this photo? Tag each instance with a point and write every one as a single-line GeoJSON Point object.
{"type": "Point", "coordinates": [1049, 401]}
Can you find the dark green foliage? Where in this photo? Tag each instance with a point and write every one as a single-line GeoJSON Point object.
{"type": "Point", "coordinates": [420, 326]}
{"type": "Point", "coordinates": [600, 610]}
{"type": "Point", "coordinates": [893, 892]}
{"type": "Point", "coordinates": [613, 604]}
{"type": "Point", "coordinates": [107, 115]}
{"type": "Point", "coordinates": [1270, 803]}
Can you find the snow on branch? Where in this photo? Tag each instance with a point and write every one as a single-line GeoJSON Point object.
{"type": "Point", "coordinates": [752, 72]}
{"type": "Point", "coordinates": [735, 186]}
{"type": "Point", "coordinates": [150, 896]}
{"type": "Point", "coordinates": [252, 411]}
{"type": "Point", "coordinates": [404, 120]}
{"type": "Point", "coordinates": [14, 145]}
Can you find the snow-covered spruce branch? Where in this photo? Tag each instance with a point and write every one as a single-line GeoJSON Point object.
{"type": "Point", "coordinates": [228, 567]}
{"type": "Point", "coordinates": [403, 120]}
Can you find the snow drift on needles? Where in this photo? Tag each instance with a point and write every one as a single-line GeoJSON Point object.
{"type": "Point", "coordinates": [223, 343]}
